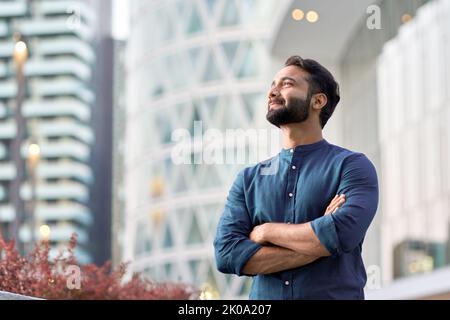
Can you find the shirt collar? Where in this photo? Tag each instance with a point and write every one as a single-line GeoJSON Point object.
{"type": "Point", "coordinates": [304, 148]}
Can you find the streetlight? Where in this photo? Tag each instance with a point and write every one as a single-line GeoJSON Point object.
{"type": "Point", "coordinates": [45, 231]}
{"type": "Point", "coordinates": [20, 53]}
{"type": "Point", "coordinates": [20, 56]}
{"type": "Point", "coordinates": [209, 293]}
{"type": "Point", "coordinates": [34, 154]}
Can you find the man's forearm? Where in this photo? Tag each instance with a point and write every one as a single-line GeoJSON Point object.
{"type": "Point", "coordinates": [274, 259]}
{"type": "Point", "coordinates": [300, 238]}
{"type": "Point", "coordinates": [296, 237]}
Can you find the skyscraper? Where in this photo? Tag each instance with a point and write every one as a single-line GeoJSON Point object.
{"type": "Point", "coordinates": [118, 241]}
{"type": "Point", "coordinates": [59, 107]}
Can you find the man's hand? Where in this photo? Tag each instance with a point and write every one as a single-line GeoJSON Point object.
{"type": "Point", "coordinates": [335, 204]}
{"type": "Point", "coordinates": [258, 234]}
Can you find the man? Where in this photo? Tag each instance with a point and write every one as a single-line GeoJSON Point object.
{"type": "Point", "coordinates": [299, 231]}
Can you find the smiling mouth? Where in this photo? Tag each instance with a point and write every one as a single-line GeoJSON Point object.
{"type": "Point", "coordinates": [275, 104]}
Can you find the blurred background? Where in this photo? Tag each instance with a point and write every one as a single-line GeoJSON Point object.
{"type": "Point", "coordinates": [91, 93]}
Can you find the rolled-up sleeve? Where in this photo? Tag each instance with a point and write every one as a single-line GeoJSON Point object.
{"type": "Point", "coordinates": [344, 230]}
{"type": "Point", "coordinates": [232, 246]}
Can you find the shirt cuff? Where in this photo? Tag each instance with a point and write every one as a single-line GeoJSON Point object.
{"type": "Point", "coordinates": [325, 230]}
{"type": "Point", "coordinates": [247, 249]}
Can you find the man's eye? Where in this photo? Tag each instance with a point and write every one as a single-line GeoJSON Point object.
{"type": "Point", "coordinates": [287, 83]}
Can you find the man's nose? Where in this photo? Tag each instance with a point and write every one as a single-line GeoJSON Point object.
{"type": "Point", "coordinates": [273, 92]}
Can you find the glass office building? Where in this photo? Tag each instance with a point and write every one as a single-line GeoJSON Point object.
{"type": "Point", "coordinates": [188, 61]}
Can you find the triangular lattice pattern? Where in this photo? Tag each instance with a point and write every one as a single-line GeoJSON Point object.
{"type": "Point", "coordinates": [189, 60]}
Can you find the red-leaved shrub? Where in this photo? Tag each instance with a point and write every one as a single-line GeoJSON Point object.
{"type": "Point", "coordinates": [38, 276]}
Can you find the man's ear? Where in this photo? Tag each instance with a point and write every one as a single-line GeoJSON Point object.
{"type": "Point", "coordinates": [319, 100]}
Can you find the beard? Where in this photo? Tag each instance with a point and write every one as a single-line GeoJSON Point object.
{"type": "Point", "coordinates": [294, 111]}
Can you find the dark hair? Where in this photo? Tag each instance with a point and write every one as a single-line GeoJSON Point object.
{"type": "Point", "coordinates": [320, 81]}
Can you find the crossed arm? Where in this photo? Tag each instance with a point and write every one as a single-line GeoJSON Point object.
{"type": "Point", "coordinates": [274, 247]}
{"type": "Point", "coordinates": [287, 246]}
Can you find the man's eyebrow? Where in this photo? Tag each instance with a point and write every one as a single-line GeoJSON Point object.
{"type": "Point", "coordinates": [283, 79]}
{"type": "Point", "coordinates": [288, 78]}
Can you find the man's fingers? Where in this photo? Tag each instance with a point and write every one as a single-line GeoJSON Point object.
{"type": "Point", "coordinates": [336, 200]}
{"type": "Point", "coordinates": [335, 203]}
{"type": "Point", "coordinates": [338, 204]}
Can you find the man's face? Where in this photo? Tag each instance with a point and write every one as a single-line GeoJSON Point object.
{"type": "Point", "coordinates": [288, 98]}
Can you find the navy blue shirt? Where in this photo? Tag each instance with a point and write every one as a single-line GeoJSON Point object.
{"type": "Point", "coordinates": [296, 186]}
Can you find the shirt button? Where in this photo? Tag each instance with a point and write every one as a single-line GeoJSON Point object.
{"type": "Point", "coordinates": [288, 222]}
{"type": "Point", "coordinates": [292, 150]}
{"type": "Point", "coordinates": [294, 167]}
{"type": "Point", "coordinates": [286, 283]}
{"type": "Point", "coordinates": [290, 195]}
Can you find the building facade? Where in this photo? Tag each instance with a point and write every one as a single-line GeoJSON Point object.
{"type": "Point", "coordinates": [118, 240]}
{"type": "Point", "coordinates": [413, 104]}
{"type": "Point", "coordinates": [58, 105]}
{"type": "Point", "coordinates": [193, 65]}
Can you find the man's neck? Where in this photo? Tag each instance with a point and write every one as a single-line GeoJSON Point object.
{"type": "Point", "coordinates": [296, 134]}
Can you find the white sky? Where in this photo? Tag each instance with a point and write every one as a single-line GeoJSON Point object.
{"type": "Point", "coordinates": [120, 19]}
